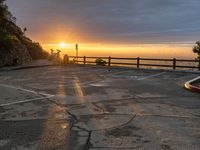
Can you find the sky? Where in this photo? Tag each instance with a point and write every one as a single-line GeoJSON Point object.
{"type": "Point", "coordinates": [131, 24]}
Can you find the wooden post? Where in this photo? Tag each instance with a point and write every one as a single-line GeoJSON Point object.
{"type": "Point", "coordinates": [174, 63]}
{"type": "Point", "coordinates": [199, 64]}
{"type": "Point", "coordinates": [138, 62]}
{"type": "Point", "coordinates": [76, 53]}
{"type": "Point", "coordinates": [109, 61]}
{"type": "Point", "coordinates": [84, 60]}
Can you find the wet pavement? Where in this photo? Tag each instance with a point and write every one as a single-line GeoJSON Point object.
{"type": "Point", "coordinates": [81, 108]}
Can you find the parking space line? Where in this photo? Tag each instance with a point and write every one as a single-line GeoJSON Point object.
{"type": "Point", "coordinates": [24, 101]}
{"type": "Point", "coordinates": [26, 90]}
{"type": "Point", "coordinates": [77, 86]}
{"type": "Point", "coordinates": [150, 76]}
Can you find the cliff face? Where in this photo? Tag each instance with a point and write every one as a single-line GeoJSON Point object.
{"type": "Point", "coordinates": [15, 47]}
{"type": "Point", "coordinates": [15, 55]}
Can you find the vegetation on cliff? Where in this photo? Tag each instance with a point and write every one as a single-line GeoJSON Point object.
{"type": "Point", "coordinates": [196, 49]}
{"type": "Point", "coordinates": [15, 47]}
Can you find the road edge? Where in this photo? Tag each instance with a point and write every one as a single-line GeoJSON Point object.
{"type": "Point", "coordinates": [189, 85]}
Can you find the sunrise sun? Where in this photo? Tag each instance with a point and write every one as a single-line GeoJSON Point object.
{"type": "Point", "coordinates": [62, 44]}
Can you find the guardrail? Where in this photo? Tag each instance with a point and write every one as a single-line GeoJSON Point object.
{"type": "Point", "coordinates": [141, 62]}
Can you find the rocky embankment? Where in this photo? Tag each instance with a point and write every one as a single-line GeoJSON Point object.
{"type": "Point", "coordinates": [15, 47]}
{"type": "Point", "coordinates": [16, 55]}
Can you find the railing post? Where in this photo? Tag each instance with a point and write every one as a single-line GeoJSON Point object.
{"type": "Point", "coordinates": [84, 60]}
{"type": "Point", "coordinates": [109, 61]}
{"type": "Point", "coordinates": [174, 63]}
{"type": "Point", "coordinates": [138, 62]}
{"type": "Point", "coordinates": [199, 63]}
{"type": "Point", "coordinates": [66, 59]}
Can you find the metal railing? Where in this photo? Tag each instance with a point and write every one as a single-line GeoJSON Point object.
{"type": "Point", "coordinates": [142, 62]}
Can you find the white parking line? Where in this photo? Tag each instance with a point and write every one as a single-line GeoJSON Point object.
{"type": "Point", "coordinates": [18, 102]}
{"type": "Point", "coordinates": [150, 76]}
{"type": "Point", "coordinates": [77, 86]}
{"type": "Point", "coordinates": [26, 90]}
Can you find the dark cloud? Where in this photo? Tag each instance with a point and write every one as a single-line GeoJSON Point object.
{"type": "Point", "coordinates": [113, 21]}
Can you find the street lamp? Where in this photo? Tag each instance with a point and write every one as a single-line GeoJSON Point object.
{"type": "Point", "coordinates": [76, 53]}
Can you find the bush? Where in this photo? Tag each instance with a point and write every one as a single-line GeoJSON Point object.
{"type": "Point", "coordinates": [100, 61]}
{"type": "Point", "coordinates": [7, 42]}
{"type": "Point", "coordinates": [8, 38]}
{"type": "Point", "coordinates": [196, 50]}
{"type": "Point", "coordinates": [36, 51]}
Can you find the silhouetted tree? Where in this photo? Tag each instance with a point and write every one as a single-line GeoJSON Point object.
{"type": "Point", "coordinates": [196, 49]}
{"type": "Point", "coordinates": [5, 14]}
{"type": "Point", "coordinates": [24, 29]}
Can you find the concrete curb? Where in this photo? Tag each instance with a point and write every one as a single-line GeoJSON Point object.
{"type": "Point", "coordinates": [189, 85]}
{"type": "Point", "coordinates": [29, 67]}
{"type": "Point", "coordinates": [24, 67]}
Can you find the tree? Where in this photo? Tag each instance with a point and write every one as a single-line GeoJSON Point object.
{"type": "Point", "coordinates": [24, 29]}
{"type": "Point", "coordinates": [5, 14]}
{"type": "Point", "coordinates": [196, 49]}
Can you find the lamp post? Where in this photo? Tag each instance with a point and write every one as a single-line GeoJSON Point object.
{"type": "Point", "coordinates": [76, 53]}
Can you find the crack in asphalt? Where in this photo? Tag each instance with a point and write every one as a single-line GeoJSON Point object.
{"type": "Point", "coordinates": [122, 125]}
{"type": "Point", "coordinates": [114, 127]}
{"type": "Point", "coordinates": [170, 116]}
{"type": "Point", "coordinates": [64, 106]}
{"type": "Point", "coordinates": [87, 145]}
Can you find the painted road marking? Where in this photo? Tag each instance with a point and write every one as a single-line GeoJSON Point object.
{"type": "Point", "coordinates": [26, 90]}
{"type": "Point", "coordinates": [77, 86]}
{"type": "Point", "coordinates": [30, 100]}
{"type": "Point", "coordinates": [150, 76]}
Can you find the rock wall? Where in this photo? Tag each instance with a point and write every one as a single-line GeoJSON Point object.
{"type": "Point", "coordinates": [17, 55]}
{"type": "Point", "coordinates": [15, 47]}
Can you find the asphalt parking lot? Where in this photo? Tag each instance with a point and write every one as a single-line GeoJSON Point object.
{"type": "Point", "coordinates": [81, 108]}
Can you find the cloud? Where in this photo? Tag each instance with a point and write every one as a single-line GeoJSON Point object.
{"type": "Point", "coordinates": [112, 21]}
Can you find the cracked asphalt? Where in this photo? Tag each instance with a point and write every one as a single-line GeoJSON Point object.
{"type": "Point", "coordinates": [93, 108]}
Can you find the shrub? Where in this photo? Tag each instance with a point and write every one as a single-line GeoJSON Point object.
{"type": "Point", "coordinates": [36, 51]}
{"type": "Point", "coordinates": [196, 49]}
{"type": "Point", "coordinates": [100, 61]}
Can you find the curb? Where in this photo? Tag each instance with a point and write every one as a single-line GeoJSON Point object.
{"type": "Point", "coordinates": [29, 67]}
{"type": "Point", "coordinates": [23, 67]}
{"type": "Point", "coordinates": [189, 85]}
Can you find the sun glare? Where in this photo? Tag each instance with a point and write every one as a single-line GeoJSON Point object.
{"type": "Point", "coordinates": [62, 45]}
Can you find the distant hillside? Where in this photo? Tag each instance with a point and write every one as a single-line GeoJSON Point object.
{"type": "Point", "coordinates": [15, 47]}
